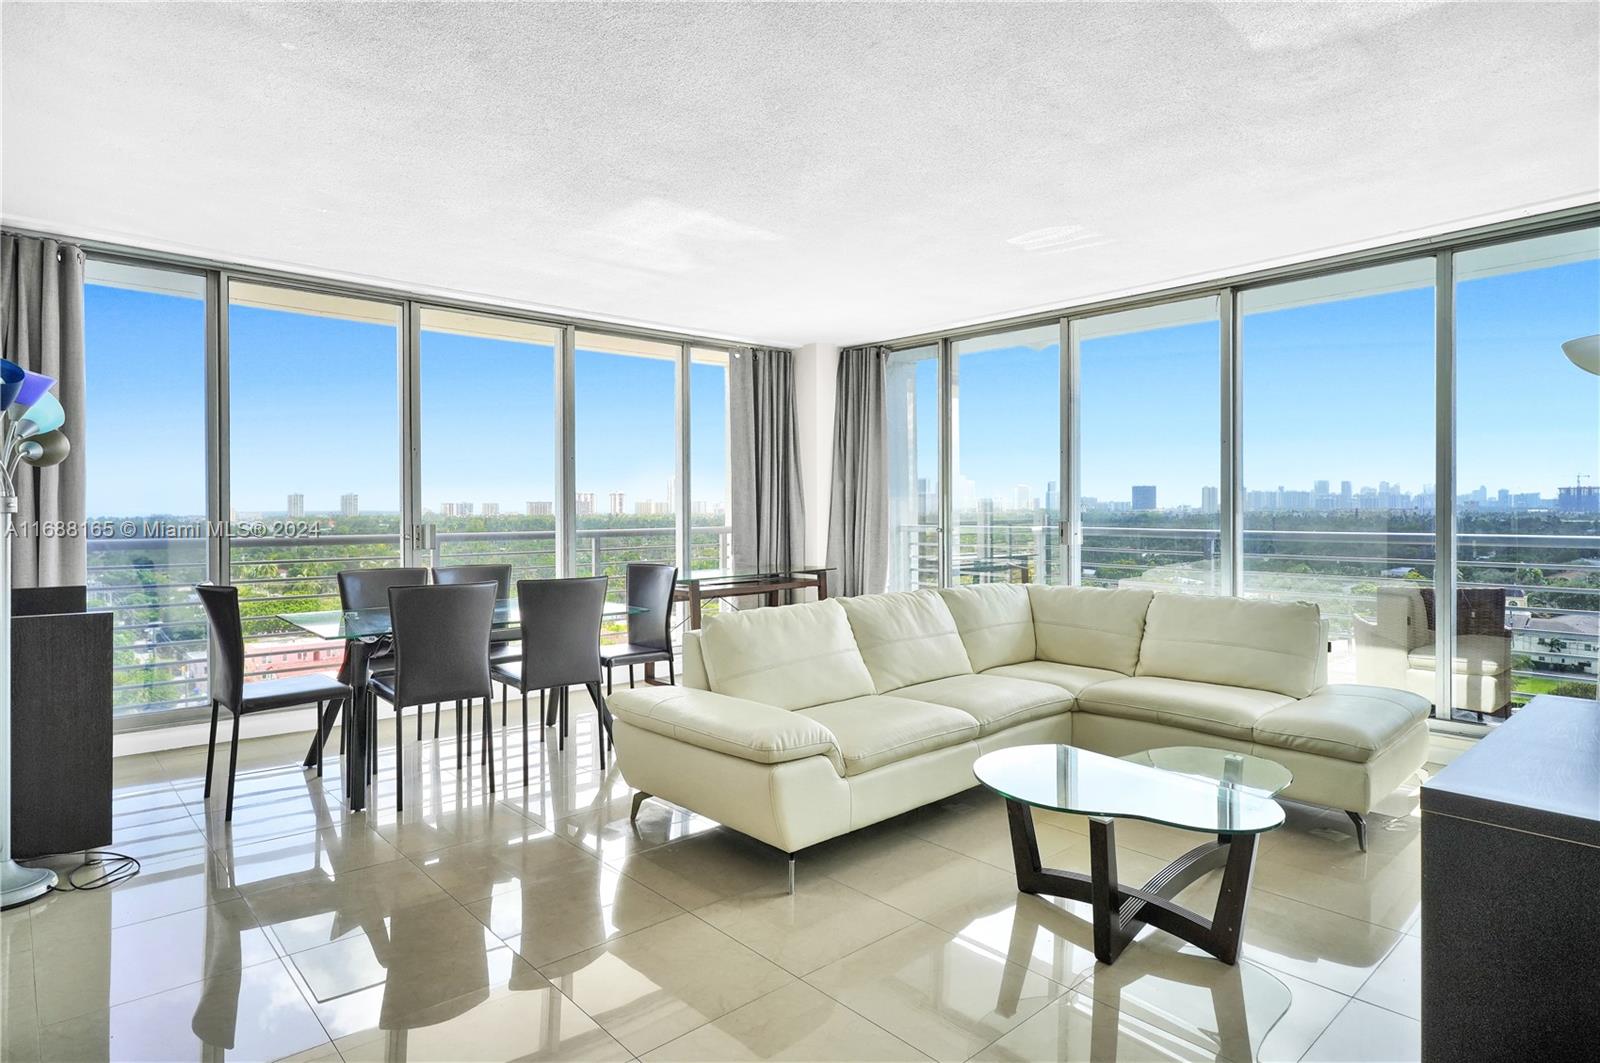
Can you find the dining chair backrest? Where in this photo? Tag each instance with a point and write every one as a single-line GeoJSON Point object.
{"type": "Point", "coordinates": [226, 678]}
{"type": "Point", "coordinates": [650, 587]}
{"type": "Point", "coordinates": [561, 630]}
{"type": "Point", "coordinates": [368, 588]}
{"type": "Point", "coordinates": [499, 575]}
{"type": "Point", "coordinates": [441, 641]}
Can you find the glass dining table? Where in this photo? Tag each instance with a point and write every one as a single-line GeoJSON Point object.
{"type": "Point", "coordinates": [361, 630]}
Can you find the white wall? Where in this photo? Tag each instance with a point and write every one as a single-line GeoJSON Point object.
{"type": "Point", "coordinates": [815, 369]}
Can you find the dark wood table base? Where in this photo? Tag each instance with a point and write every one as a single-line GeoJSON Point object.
{"type": "Point", "coordinates": [1119, 909]}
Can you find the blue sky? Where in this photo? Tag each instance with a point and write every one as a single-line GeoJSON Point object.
{"type": "Point", "coordinates": [1338, 390]}
{"type": "Point", "coordinates": [314, 410]}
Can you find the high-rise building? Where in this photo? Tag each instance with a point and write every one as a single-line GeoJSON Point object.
{"type": "Point", "coordinates": [618, 504]}
{"type": "Point", "coordinates": [1345, 499]}
{"type": "Point", "coordinates": [350, 505]}
{"type": "Point", "coordinates": [1210, 500]}
{"type": "Point", "coordinates": [491, 509]}
{"type": "Point", "coordinates": [540, 509]}
{"type": "Point", "coordinates": [1581, 498]}
{"type": "Point", "coordinates": [297, 506]}
{"type": "Point", "coordinates": [585, 503]}
{"type": "Point", "coordinates": [464, 509]}
{"type": "Point", "coordinates": [1022, 497]}
{"type": "Point", "coordinates": [1144, 498]}
{"type": "Point", "coordinates": [651, 508]}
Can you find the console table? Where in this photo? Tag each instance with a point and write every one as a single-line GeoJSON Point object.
{"type": "Point", "coordinates": [1511, 890]}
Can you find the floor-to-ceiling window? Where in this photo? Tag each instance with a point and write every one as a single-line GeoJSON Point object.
{"type": "Point", "coordinates": [314, 459]}
{"type": "Point", "coordinates": [1148, 475]}
{"type": "Point", "coordinates": [1527, 452]}
{"type": "Point", "coordinates": [1006, 450]}
{"type": "Point", "coordinates": [487, 394]}
{"type": "Point", "coordinates": [710, 533]}
{"type": "Point", "coordinates": [912, 401]}
{"type": "Point", "coordinates": [1339, 460]}
{"type": "Point", "coordinates": [625, 452]}
{"type": "Point", "coordinates": [145, 410]}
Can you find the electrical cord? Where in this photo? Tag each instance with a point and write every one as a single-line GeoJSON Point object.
{"type": "Point", "coordinates": [100, 869]}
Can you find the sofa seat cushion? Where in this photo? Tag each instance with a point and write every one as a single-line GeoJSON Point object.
{"type": "Point", "coordinates": [1092, 626]}
{"type": "Point", "coordinates": [876, 730]}
{"type": "Point", "coordinates": [906, 638]}
{"type": "Point", "coordinates": [995, 701]}
{"type": "Point", "coordinates": [1475, 655]}
{"type": "Point", "coordinates": [1072, 678]}
{"type": "Point", "coordinates": [1210, 708]}
{"type": "Point", "coordinates": [791, 656]}
{"type": "Point", "coordinates": [748, 730]}
{"type": "Point", "coordinates": [995, 621]}
{"type": "Point", "coordinates": [1345, 721]}
{"type": "Point", "coordinates": [1240, 642]}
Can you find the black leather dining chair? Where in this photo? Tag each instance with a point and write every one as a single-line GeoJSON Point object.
{"type": "Point", "coordinates": [441, 653]}
{"type": "Point", "coordinates": [650, 587]}
{"type": "Point", "coordinates": [561, 618]}
{"type": "Point", "coordinates": [505, 644]}
{"type": "Point", "coordinates": [229, 690]}
{"type": "Point", "coordinates": [368, 588]}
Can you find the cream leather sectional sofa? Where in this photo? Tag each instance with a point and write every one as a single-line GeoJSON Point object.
{"type": "Point", "coordinates": [800, 723]}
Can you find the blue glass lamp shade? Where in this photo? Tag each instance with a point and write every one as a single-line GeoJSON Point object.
{"type": "Point", "coordinates": [11, 377]}
{"type": "Point", "coordinates": [34, 385]}
{"type": "Point", "coordinates": [49, 449]}
{"type": "Point", "coordinates": [45, 415]}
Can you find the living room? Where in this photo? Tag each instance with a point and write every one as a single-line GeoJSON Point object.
{"type": "Point", "coordinates": [810, 531]}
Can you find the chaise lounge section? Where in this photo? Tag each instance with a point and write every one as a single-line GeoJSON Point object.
{"type": "Point", "coordinates": [800, 723]}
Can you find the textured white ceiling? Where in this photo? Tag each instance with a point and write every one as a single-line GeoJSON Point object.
{"type": "Point", "coordinates": [791, 173]}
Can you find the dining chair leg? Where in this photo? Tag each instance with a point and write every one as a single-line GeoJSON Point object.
{"type": "Point", "coordinates": [458, 734]}
{"type": "Point", "coordinates": [233, 766]}
{"type": "Point", "coordinates": [672, 671]}
{"type": "Point", "coordinates": [437, 709]}
{"type": "Point", "coordinates": [608, 679]}
{"type": "Point", "coordinates": [599, 719]}
{"type": "Point", "coordinates": [400, 761]}
{"type": "Point", "coordinates": [322, 739]}
{"type": "Point", "coordinates": [630, 677]}
{"type": "Point", "coordinates": [504, 697]}
{"type": "Point", "coordinates": [488, 740]}
{"type": "Point", "coordinates": [524, 738]}
{"type": "Point", "coordinates": [211, 747]}
{"type": "Point", "coordinates": [344, 724]}
{"type": "Point", "coordinates": [544, 720]}
{"type": "Point", "coordinates": [419, 722]}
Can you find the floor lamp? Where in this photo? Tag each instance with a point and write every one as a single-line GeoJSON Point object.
{"type": "Point", "coordinates": [32, 437]}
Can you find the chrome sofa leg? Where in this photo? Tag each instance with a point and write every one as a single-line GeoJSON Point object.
{"type": "Point", "coordinates": [1361, 828]}
{"type": "Point", "coordinates": [638, 799]}
{"type": "Point", "coordinates": [791, 874]}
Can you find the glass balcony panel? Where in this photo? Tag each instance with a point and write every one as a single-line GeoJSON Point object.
{"type": "Point", "coordinates": [911, 387]}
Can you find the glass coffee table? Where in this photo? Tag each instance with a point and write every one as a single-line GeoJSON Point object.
{"type": "Point", "coordinates": [1225, 795]}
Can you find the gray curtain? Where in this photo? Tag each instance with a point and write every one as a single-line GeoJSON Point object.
{"type": "Point", "coordinates": [858, 521]}
{"type": "Point", "coordinates": [768, 507]}
{"type": "Point", "coordinates": [41, 328]}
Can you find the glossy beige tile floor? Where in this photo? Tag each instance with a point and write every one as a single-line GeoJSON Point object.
{"type": "Point", "coordinates": [536, 923]}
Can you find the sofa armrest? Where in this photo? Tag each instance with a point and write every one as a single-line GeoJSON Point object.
{"type": "Point", "coordinates": [749, 730]}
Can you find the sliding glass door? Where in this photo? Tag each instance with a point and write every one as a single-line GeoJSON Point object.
{"type": "Point", "coordinates": [145, 351]}
{"type": "Point", "coordinates": [1147, 471]}
{"type": "Point", "coordinates": [710, 530]}
{"type": "Point", "coordinates": [1527, 506]}
{"type": "Point", "coordinates": [314, 459]}
{"type": "Point", "coordinates": [625, 452]}
{"type": "Point", "coordinates": [487, 399]}
{"type": "Point", "coordinates": [1005, 398]}
{"type": "Point", "coordinates": [912, 413]}
{"type": "Point", "coordinates": [1339, 462]}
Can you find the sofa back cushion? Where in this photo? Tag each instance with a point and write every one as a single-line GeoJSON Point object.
{"type": "Point", "coordinates": [906, 638]}
{"type": "Point", "coordinates": [1091, 626]}
{"type": "Point", "coordinates": [995, 621]}
{"type": "Point", "coordinates": [1240, 642]}
{"type": "Point", "coordinates": [791, 656]}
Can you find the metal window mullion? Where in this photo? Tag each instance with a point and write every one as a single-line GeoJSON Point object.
{"type": "Point", "coordinates": [948, 532]}
{"type": "Point", "coordinates": [1230, 492]}
{"type": "Point", "coordinates": [218, 484]}
{"type": "Point", "coordinates": [1444, 488]}
{"type": "Point", "coordinates": [566, 466]}
{"type": "Point", "coordinates": [410, 357]}
{"type": "Point", "coordinates": [681, 503]}
{"type": "Point", "coordinates": [1071, 449]}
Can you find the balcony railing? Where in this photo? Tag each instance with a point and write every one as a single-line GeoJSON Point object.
{"type": "Point", "coordinates": [160, 641]}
